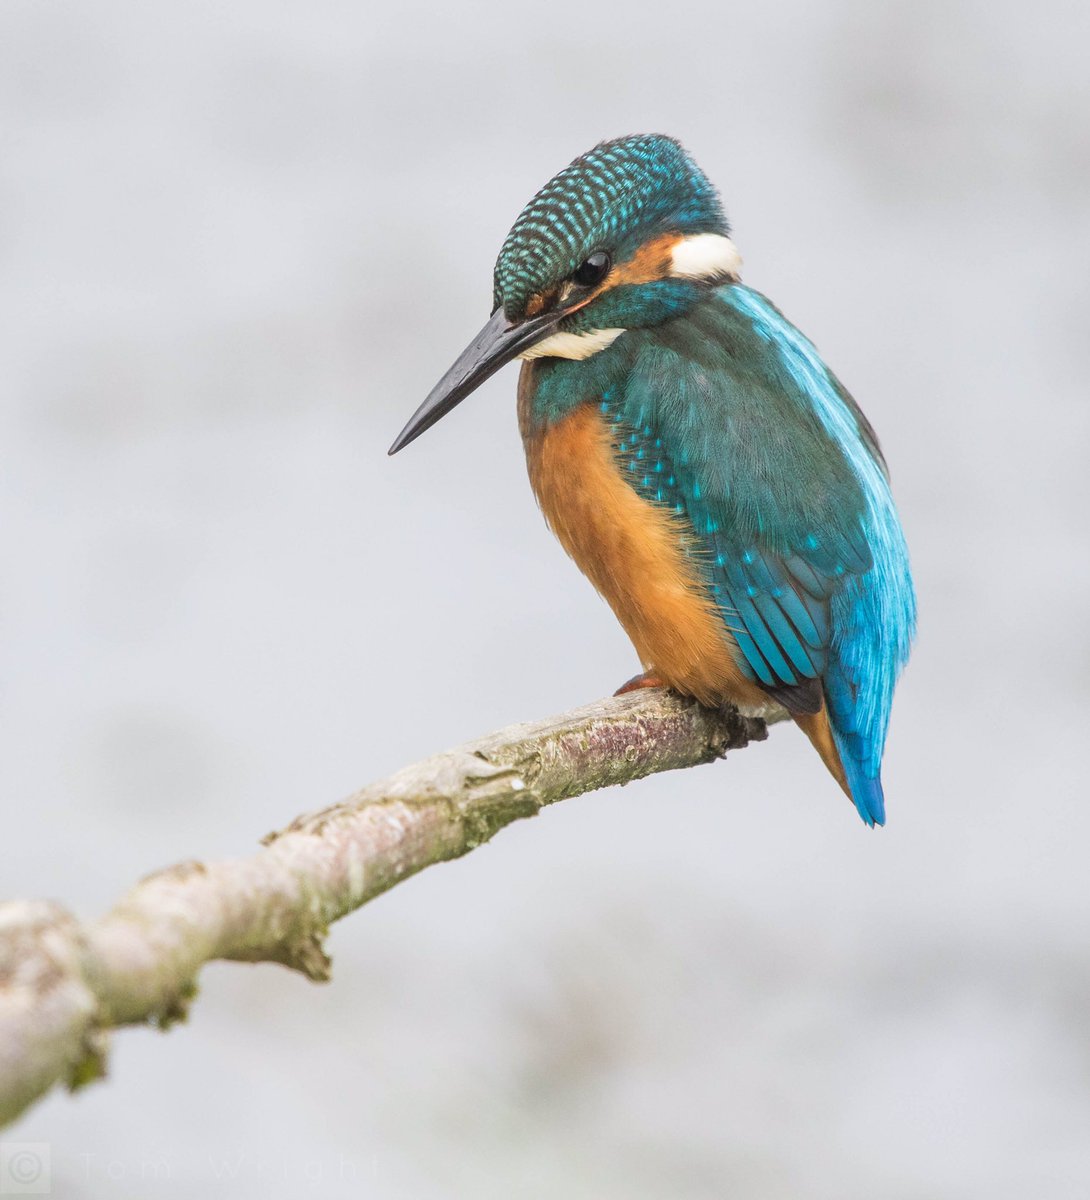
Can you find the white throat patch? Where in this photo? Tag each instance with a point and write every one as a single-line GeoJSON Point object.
{"type": "Point", "coordinates": [704, 256]}
{"type": "Point", "coordinates": [573, 345]}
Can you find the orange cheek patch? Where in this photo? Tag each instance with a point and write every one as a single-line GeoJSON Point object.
{"type": "Point", "coordinates": [650, 262]}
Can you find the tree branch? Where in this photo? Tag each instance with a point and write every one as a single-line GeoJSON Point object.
{"type": "Point", "coordinates": [63, 985]}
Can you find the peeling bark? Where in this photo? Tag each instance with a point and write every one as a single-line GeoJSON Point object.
{"type": "Point", "coordinates": [64, 985]}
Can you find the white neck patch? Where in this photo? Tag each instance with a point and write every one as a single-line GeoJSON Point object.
{"type": "Point", "coordinates": [573, 345]}
{"type": "Point", "coordinates": [704, 256]}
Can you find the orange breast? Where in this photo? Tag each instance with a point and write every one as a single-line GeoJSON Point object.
{"type": "Point", "coordinates": [634, 552]}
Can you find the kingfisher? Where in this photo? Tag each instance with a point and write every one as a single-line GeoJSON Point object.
{"type": "Point", "coordinates": [695, 456]}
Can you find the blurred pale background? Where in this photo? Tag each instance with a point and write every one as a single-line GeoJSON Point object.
{"type": "Point", "coordinates": [238, 244]}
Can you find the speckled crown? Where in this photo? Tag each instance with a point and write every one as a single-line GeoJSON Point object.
{"type": "Point", "coordinates": [613, 198]}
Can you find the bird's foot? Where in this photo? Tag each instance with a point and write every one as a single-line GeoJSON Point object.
{"type": "Point", "coordinates": [646, 680]}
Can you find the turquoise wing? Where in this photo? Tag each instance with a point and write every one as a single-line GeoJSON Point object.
{"type": "Point", "coordinates": [730, 417]}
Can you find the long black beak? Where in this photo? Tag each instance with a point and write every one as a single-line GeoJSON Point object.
{"type": "Point", "coordinates": [497, 343]}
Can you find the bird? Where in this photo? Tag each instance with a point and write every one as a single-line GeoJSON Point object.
{"type": "Point", "coordinates": [695, 456]}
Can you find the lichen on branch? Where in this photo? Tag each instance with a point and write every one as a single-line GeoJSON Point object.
{"type": "Point", "coordinates": [64, 985]}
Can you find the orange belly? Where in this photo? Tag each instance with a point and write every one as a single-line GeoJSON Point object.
{"type": "Point", "coordinates": [634, 552]}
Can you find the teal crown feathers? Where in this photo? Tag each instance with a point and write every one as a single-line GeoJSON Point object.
{"type": "Point", "coordinates": [614, 197]}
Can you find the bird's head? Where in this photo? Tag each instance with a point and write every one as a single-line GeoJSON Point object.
{"type": "Point", "coordinates": [627, 236]}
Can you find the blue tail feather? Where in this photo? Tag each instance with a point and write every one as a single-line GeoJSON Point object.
{"type": "Point", "coordinates": [866, 789]}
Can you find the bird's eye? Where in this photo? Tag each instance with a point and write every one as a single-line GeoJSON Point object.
{"type": "Point", "coordinates": [593, 269]}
